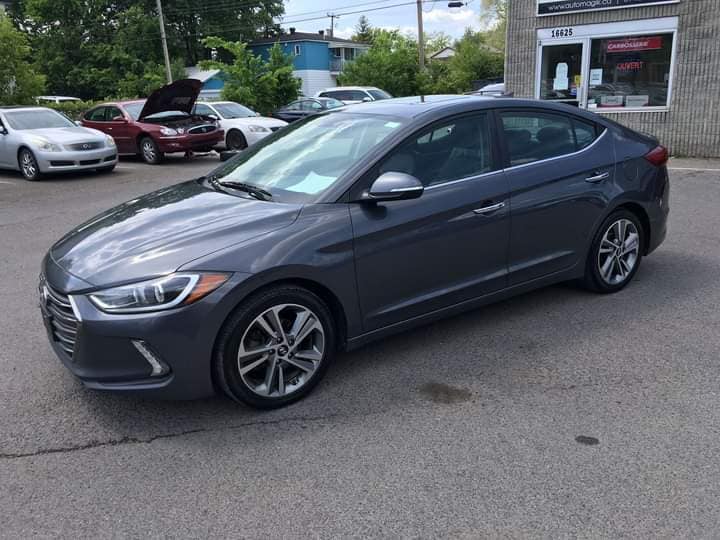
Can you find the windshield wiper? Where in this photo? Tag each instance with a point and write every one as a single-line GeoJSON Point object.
{"type": "Point", "coordinates": [255, 191]}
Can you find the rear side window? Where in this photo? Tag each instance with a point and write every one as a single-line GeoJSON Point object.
{"type": "Point", "coordinates": [534, 136]}
{"type": "Point", "coordinates": [203, 110]}
{"type": "Point", "coordinates": [96, 115]}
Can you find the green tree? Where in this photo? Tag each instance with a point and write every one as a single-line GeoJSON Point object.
{"type": "Point", "coordinates": [262, 86]}
{"type": "Point", "coordinates": [391, 63]}
{"type": "Point", "coordinates": [19, 82]}
{"type": "Point", "coordinates": [363, 30]}
{"type": "Point", "coordinates": [494, 18]}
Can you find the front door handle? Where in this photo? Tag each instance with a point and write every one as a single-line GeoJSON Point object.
{"type": "Point", "coordinates": [597, 177]}
{"type": "Point", "coordinates": [488, 209]}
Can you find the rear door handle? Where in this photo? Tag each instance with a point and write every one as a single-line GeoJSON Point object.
{"type": "Point", "coordinates": [597, 177]}
{"type": "Point", "coordinates": [488, 209]}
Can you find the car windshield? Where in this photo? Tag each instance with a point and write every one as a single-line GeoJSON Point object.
{"type": "Point", "coordinates": [300, 162]}
{"type": "Point", "coordinates": [134, 110]}
{"type": "Point", "coordinates": [379, 94]}
{"type": "Point", "coordinates": [233, 110]}
{"type": "Point", "coordinates": [37, 119]}
{"type": "Point", "coordinates": [331, 103]}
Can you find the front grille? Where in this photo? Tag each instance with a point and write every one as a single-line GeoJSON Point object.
{"type": "Point", "coordinates": [90, 162]}
{"type": "Point", "coordinates": [81, 147]}
{"type": "Point", "coordinates": [202, 129]}
{"type": "Point", "coordinates": [63, 322]}
{"type": "Point", "coordinates": [61, 163]}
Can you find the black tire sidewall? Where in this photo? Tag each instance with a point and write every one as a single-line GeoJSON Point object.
{"type": "Point", "coordinates": [241, 137]}
{"type": "Point", "coordinates": [593, 279]}
{"type": "Point", "coordinates": [158, 154]}
{"type": "Point", "coordinates": [37, 167]}
{"type": "Point", "coordinates": [225, 357]}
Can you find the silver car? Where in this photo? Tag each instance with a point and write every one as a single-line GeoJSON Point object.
{"type": "Point", "coordinates": [37, 140]}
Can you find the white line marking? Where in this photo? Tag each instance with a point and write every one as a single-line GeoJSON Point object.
{"type": "Point", "coordinates": [6, 182]}
{"type": "Point", "coordinates": [692, 169]}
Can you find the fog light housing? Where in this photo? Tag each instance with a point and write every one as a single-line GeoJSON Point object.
{"type": "Point", "coordinates": [159, 367]}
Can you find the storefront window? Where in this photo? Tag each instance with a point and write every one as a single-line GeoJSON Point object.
{"type": "Point", "coordinates": [631, 72]}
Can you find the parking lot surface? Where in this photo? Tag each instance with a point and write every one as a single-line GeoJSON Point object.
{"type": "Point", "coordinates": [559, 413]}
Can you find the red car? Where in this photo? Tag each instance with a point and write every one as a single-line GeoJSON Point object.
{"type": "Point", "coordinates": [163, 123]}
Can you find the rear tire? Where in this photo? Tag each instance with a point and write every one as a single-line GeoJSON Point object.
{"type": "Point", "coordinates": [150, 152]}
{"type": "Point", "coordinates": [268, 364]}
{"type": "Point", "coordinates": [28, 165]}
{"type": "Point", "coordinates": [235, 140]}
{"type": "Point", "coordinates": [615, 254]}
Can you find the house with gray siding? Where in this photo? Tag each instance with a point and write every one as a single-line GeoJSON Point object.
{"type": "Point", "coordinates": [653, 65]}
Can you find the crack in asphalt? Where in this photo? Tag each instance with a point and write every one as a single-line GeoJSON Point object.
{"type": "Point", "coordinates": [136, 440]}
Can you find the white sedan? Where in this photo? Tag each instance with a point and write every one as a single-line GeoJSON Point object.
{"type": "Point", "coordinates": [243, 127]}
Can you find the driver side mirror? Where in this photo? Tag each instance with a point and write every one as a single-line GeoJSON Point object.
{"type": "Point", "coordinates": [394, 186]}
{"type": "Point", "coordinates": [119, 119]}
{"type": "Point", "coordinates": [367, 100]}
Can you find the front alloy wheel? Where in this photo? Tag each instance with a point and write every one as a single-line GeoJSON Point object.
{"type": "Point", "coordinates": [28, 165]}
{"type": "Point", "coordinates": [615, 254]}
{"type": "Point", "coordinates": [275, 348]}
{"type": "Point", "coordinates": [150, 152]}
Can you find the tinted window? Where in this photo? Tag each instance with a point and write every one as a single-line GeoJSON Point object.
{"type": "Point", "coordinates": [379, 94]}
{"type": "Point", "coordinates": [585, 133]}
{"type": "Point", "coordinates": [96, 115]}
{"type": "Point", "coordinates": [532, 136]}
{"type": "Point", "coordinates": [294, 106]}
{"type": "Point", "coordinates": [310, 105]}
{"type": "Point", "coordinates": [447, 151]}
{"type": "Point", "coordinates": [111, 113]}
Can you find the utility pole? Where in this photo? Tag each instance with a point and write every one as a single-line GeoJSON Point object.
{"type": "Point", "coordinates": [163, 37]}
{"type": "Point", "coordinates": [332, 22]}
{"type": "Point", "coordinates": [421, 38]}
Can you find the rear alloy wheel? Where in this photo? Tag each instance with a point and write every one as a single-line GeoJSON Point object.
{"type": "Point", "coordinates": [149, 151]}
{"type": "Point", "coordinates": [275, 348]}
{"type": "Point", "coordinates": [236, 140]}
{"type": "Point", "coordinates": [28, 165]}
{"type": "Point", "coordinates": [616, 253]}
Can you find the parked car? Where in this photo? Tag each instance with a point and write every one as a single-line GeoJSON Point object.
{"type": "Point", "coordinates": [163, 123]}
{"type": "Point", "coordinates": [346, 227]}
{"type": "Point", "coordinates": [493, 90]}
{"type": "Point", "coordinates": [55, 99]}
{"type": "Point", "coordinates": [300, 108]}
{"type": "Point", "coordinates": [37, 140]}
{"type": "Point", "coordinates": [243, 127]}
{"type": "Point", "coordinates": [354, 94]}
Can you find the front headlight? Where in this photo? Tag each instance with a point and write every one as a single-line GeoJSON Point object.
{"type": "Point", "coordinates": [47, 146]}
{"type": "Point", "coordinates": [168, 132]}
{"type": "Point", "coordinates": [158, 294]}
{"type": "Point", "coordinates": [258, 129]}
{"type": "Point", "coordinates": [109, 141]}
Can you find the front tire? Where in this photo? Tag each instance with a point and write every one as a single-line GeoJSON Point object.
{"type": "Point", "coordinates": [615, 254]}
{"type": "Point", "coordinates": [28, 165]}
{"type": "Point", "coordinates": [150, 152]}
{"type": "Point", "coordinates": [235, 140]}
{"type": "Point", "coordinates": [275, 348]}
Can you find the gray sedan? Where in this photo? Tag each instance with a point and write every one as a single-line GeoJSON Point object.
{"type": "Point", "coordinates": [37, 140]}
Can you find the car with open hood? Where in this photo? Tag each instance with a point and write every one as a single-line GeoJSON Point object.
{"type": "Point", "coordinates": [38, 140]}
{"type": "Point", "coordinates": [163, 123]}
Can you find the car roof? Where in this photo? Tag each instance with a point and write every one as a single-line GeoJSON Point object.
{"type": "Point", "coordinates": [349, 88]}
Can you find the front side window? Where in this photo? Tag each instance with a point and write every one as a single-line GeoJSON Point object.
{"type": "Point", "coordinates": [233, 110]}
{"type": "Point", "coordinates": [450, 150]}
{"type": "Point", "coordinates": [303, 160]}
{"type": "Point", "coordinates": [533, 136]}
{"type": "Point", "coordinates": [37, 119]}
{"type": "Point", "coordinates": [96, 115]}
{"type": "Point", "coordinates": [111, 113]}
{"type": "Point", "coordinates": [631, 72]}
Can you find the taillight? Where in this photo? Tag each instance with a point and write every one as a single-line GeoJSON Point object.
{"type": "Point", "coordinates": [658, 156]}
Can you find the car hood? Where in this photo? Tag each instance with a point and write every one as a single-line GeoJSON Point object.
{"type": "Point", "coordinates": [254, 121]}
{"type": "Point", "coordinates": [159, 232]}
{"type": "Point", "coordinates": [65, 135]}
{"type": "Point", "coordinates": [177, 96]}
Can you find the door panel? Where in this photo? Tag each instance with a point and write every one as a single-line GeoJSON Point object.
{"type": "Point", "coordinates": [120, 131]}
{"type": "Point", "coordinates": [555, 201]}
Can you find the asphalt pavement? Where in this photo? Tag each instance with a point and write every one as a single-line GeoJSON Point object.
{"type": "Point", "coordinates": [555, 414]}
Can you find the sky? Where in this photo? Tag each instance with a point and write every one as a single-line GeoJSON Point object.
{"type": "Point", "coordinates": [437, 17]}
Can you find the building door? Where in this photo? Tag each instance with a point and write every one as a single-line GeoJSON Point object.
{"type": "Point", "coordinates": [562, 74]}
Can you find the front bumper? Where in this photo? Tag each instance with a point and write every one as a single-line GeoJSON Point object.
{"type": "Point", "coordinates": [173, 360]}
{"type": "Point", "coordinates": [185, 143]}
{"type": "Point", "coordinates": [63, 161]}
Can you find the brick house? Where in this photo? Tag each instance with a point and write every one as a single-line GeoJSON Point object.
{"type": "Point", "coordinates": [653, 65]}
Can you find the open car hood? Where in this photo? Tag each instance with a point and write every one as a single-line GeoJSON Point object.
{"type": "Point", "coordinates": [177, 96]}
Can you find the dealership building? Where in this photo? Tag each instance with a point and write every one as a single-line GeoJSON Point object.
{"type": "Point", "coordinates": [651, 65]}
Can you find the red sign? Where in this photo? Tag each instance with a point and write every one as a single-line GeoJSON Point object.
{"type": "Point", "coordinates": [634, 44]}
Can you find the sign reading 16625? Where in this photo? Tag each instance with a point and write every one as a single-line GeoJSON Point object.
{"type": "Point", "coordinates": [556, 7]}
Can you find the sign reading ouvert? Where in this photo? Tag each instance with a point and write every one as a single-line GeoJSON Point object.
{"type": "Point", "coordinates": [557, 7]}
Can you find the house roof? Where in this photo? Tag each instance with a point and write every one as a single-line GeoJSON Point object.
{"type": "Point", "coordinates": [204, 75]}
{"type": "Point", "coordinates": [445, 52]}
{"type": "Point", "coordinates": [306, 36]}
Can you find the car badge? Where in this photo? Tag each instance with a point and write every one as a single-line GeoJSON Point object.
{"type": "Point", "coordinates": [86, 146]}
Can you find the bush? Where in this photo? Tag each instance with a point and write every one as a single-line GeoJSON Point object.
{"type": "Point", "coordinates": [72, 109]}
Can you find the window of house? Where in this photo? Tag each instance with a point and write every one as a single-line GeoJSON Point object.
{"type": "Point", "coordinates": [448, 151]}
{"type": "Point", "coordinates": [630, 72]}
{"type": "Point", "coordinates": [297, 50]}
{"type": "Point", "coordinates": [534, 136]}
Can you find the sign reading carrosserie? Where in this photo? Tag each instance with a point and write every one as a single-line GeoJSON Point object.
{"type": "Point", "coordinates": [556, 7]}
{"type": "Point", "coordinates": [634, 44]}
